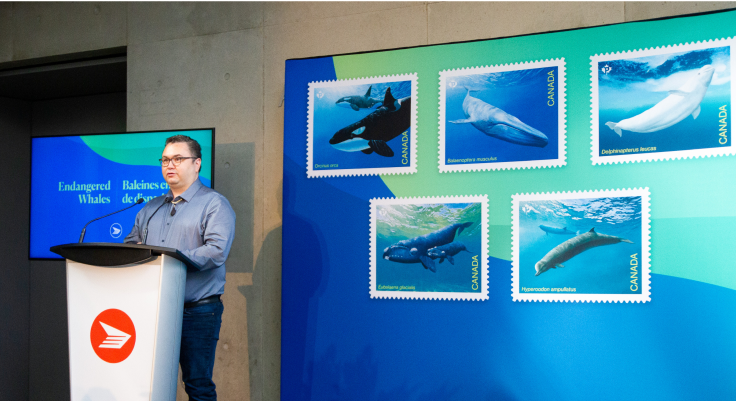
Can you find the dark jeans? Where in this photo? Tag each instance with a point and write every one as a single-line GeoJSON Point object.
{"type": "Point", "coordinates": [199, 334]}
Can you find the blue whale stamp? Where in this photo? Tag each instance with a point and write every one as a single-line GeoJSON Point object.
{"type": "Point", "coordinates": [663, 103]}
{"type": "Point", "coordinates": [429, 248]}
{"type": "Point", "coordinates": [502, 117]}
{"type": "Point", "coordinates": [362, 126]}
{"type": "Point", "coordinates": [590, 246]}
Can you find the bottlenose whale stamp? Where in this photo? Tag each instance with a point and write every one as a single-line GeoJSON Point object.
{"type": "Point", "coordinates": [663, 103]}
{"type": "Point", "coordinates": [429, 248]}
{"type": "Point", "coordinates": [502, 117]}
{"type": "Point", "coordinates": [365, 126]}
{"type": "Point", "coordinates": [589, 246]}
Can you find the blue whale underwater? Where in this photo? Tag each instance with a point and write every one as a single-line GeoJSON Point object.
{"type": "Point", "coordinates": [358, 102]}
{"type": "Point", "coordinates": [371, 133]}
{"type": "Point", "coordinates": [498, 124]}
{"type": "Point", "coordinates": [447, 251]}
{"type": "Point", "coordinates": [415, 250]}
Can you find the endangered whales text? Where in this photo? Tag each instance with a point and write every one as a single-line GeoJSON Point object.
{"type": "Point", "coordinates": [90, 198]}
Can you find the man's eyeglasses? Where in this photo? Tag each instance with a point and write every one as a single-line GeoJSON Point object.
{"type": "Point", "coordinates": [177, 160]}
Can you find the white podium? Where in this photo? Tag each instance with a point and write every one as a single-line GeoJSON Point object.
{"type": "Point", "coordinates": [125, 305]}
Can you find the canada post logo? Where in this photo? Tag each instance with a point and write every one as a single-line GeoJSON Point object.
{"type": "Point", "coordinates": [112, 336]}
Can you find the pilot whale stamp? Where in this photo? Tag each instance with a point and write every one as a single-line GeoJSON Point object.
{"type": "Point", "coordinates": [429, 248]}
{"type": "Point", "coordinates": [589, 246]}
{"type": "Point", "coordinates": [663, 103]}
{"type": "Point", "coordinates": [364, 126]}
{"type": "Point", "coordinates": [502, 117]}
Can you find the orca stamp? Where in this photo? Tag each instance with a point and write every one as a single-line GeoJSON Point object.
{"type": "Point", "coordinates": [589, 246]}
{"type": "Point", "coordinates": [502, 117]}
{"type": "Point", "coordinates": [429, 248]}
{"type": "Point", "coordinates": [365, 126]}
{"type": "Point", "coordinates": [662, 103]}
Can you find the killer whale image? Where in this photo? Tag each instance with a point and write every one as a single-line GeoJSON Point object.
{"type": "Point", "coordinates": [358, 102]}
{"type": "Point", "coordinates": [554, 230]}
{"type": "Point", "coordinates": [447, 251]}
{"type": "Point", "coordinates": [498, 124]}
{"type": "Point", "coordinates": [415, 250]}
{"type": "Point", "coordinates": [573, 247]}
{"type": "Point", "coordinates": [679, 104]}
{"type": "Point", "coordinates": [371, 133]}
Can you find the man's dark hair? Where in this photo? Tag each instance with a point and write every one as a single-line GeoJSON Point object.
{"type": "Point", "coordinates": [194, 147]}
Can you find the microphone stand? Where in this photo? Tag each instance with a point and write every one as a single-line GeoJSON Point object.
{"type": "Point", "coordinates": [84, 230]}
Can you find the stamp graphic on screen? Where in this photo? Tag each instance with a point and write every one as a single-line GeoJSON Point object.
{"type": "Point", "coordinates": [502, 117]}
{"type": "Point", "coordinates": [590, 246]}
{"type": "Point", "coordinates": [362, 126]}
{"type": "Point", "coordinates": [429, 248]}
{"type": "Point", "coordinates": [663, 103]}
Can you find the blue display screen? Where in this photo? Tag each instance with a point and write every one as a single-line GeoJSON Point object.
{"type": "Point", "coordinates": [75, 179]}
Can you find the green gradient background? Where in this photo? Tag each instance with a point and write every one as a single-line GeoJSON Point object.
{"type": "Point", "coordinates": [692, 200]}
{"type": "Point", "coordinates": [144, 149]}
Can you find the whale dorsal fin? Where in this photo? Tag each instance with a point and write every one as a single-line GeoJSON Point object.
{"type": "Point", "coordinates": [368, 94]}
{"type": "Point", "coordinates": [388, 99]}
{"type": "Point", "coordinates": [592, 230]}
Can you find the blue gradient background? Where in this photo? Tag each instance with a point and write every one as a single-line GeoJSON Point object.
{"type": "Point", "coordinates": [338, 344]}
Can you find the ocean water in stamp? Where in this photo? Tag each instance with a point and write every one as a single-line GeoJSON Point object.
{"type": "Point", "coordinates": [612, 267]}
{"type": "Point", "coordinates": [531, 96]}
{"type": "Point", "coordinates": [654, 104]}
{"type": "Point", "coordinates": [341, 106]}
{"type": "Point", "coordinates": [456, 269]}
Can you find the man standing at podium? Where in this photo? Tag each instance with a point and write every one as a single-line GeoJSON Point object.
{"type": "Point", "coordinates": [200, 223]}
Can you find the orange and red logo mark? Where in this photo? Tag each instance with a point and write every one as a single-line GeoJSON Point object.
{"type": "Point", "coordinates": [112, 336]}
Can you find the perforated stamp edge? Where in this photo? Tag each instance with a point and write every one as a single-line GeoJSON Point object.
{"type": "Point", "coordinates": [481, 296]}
{"type": "Point", "coordinates": [654, 156]}
{"type": "Point", "coordinates": [644, 272]}
{"type": "Point", "coordinates": [412, 168]}
{"type": "Point", "coordinates": [561, 119]}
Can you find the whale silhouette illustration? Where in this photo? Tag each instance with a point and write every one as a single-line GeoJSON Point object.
{"type": "Point", "coordinates": [679, 104]}
{"type": "Point", "coordinates": [371, 133]}
{"type": "Point", "coordinates": [414, 250]}
{"type": "Point", "coordinates": [573, 247]}
{"type": "Point", "coordinates": [499, 124]}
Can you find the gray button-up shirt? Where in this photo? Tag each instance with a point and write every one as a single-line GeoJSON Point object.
{"type": "Point", "coordinates": [202, 229]}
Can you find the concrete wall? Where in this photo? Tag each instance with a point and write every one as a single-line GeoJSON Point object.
{"type": "Point", "coordinates": [222, 65]}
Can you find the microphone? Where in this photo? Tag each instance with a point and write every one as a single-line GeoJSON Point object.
{"type": "Point", "coordinates": [145, 231]}
{"type": "Point", "coordinates": [84, 230]}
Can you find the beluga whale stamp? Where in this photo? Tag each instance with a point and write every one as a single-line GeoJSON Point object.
{"type": "Point", "coordinates": [502, 117]}
{"type": "Point", "coordinates": [429, 248]}
{"type": "Point", "coordinates": [365, 126]}
{"type": "Point", "coordinates": [590, 246]}
{"type": "Point", "coordinates": [663, 103]}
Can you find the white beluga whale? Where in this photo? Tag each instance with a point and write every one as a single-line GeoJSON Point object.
{"type": "Point", "coordinates": [498, 124]}
{"type": "Point", "coordinates": [679, 104]}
